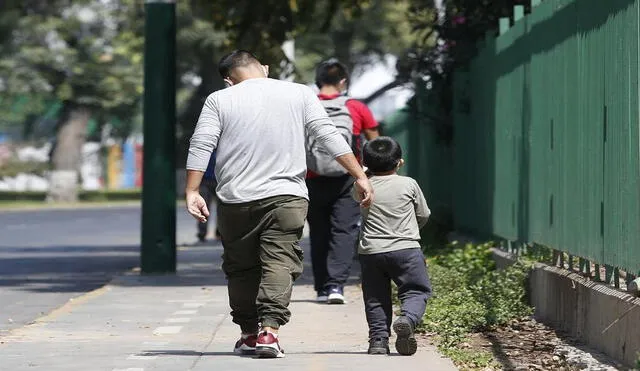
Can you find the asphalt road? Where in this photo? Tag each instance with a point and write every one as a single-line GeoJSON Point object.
{"type": "Point", "coordinates": [50, 256]}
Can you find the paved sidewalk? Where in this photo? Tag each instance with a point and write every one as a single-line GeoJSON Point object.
{"type": "Point", "coordinates": [181, 322]}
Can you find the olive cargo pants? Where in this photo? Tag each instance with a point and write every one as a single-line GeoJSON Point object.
{"type": "Point", "coordinates": [262, 258]}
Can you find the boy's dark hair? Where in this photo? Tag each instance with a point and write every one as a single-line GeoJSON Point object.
{"type": "Point", "coordinates": [331, 72]}
{"type": "Point", "coordinates": [235, 59]}
{"type": "Point", "coordinates": [382, 154]}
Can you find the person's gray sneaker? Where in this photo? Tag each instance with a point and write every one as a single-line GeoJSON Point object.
{"type": "Point", "coordinates": [336, 295]}
{"type": "Point", "coordinates": [379, 346]}
{"type": "Point", "coordinates": [406, 343]}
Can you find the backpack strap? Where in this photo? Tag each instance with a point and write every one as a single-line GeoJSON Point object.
{"type": "Point", "coordinates": [340, 100]}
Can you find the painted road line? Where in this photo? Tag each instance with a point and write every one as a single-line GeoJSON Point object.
{"type": "Point", "coordinates": [167, 330]}
{"type": "Point", "coordinates": [185, 312]}
{"type": "Point", "coordinates": [178, 320]}
{"type": "Point", "coordinates": [156, 343]}
{"type": "Point", "coordinates": [193, 305]}
{"type": "Point", "coordinates": [203, 298]}
{"type": "Point", "coordinates": [190, 300]}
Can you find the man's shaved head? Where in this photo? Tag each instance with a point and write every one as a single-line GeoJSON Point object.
{"type": "Point", "coordinates": [236, 59]}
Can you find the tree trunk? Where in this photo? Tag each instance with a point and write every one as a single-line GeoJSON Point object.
{"type": "Point", "coordinates": [67, 154]}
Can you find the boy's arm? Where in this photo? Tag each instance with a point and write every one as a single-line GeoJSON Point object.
{"type": "Point", "coordinates": [422, 209]}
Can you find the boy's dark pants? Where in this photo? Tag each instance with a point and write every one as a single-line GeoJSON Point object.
{"type": "Point", "coordinates": [334, 218]}
{"type": "Point", "coordinates": [261, 258]}
{"type": "Point", "coordinates": [407, 268]}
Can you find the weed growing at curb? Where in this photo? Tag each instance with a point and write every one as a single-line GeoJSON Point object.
{"type": "Point", "coordinates": [471, 295]}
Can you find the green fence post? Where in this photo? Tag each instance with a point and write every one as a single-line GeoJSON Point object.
{"type": "Point", "coordinates": [587, 270]}
{"type": "Point", "coordinates": [596, 276]}
{"type": "Point", "coordinates": [505, 23]}
{"type": "Point", "coordinates": [158, 250]}
{"type": "Point", "coordinates": [518, 13]}
{"type": "Point", "coordinates": [582, 262]}
{"type": "Point", "coordinates": [608, 274]}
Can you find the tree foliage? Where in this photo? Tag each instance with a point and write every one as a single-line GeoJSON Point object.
{"type": "Point", "coordinates": [444, 44]}
{"type": "Point", "coordinates": [264, 26]}
{"type": "Point", "coordinates": [209, 29]}
{"type": "Point", "coordinates": [86, 55]}
{"type": "Point", "coordinates": [379, 28]}
{"type": "Point", "coordinates": [83, 53]}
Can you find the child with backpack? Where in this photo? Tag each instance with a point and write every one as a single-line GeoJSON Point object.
{"type": "Point", "coordinates": [389, 250]}
{"type": "Point", "coordinates": [334, 216]}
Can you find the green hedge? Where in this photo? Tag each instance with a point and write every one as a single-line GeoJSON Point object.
{"type": "Point", "coordinates": [85, 196]}
{"type": "Point", "coordinates": [14, 168]}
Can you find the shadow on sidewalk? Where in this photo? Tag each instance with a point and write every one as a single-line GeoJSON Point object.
{"type": "Point", "coordinates": [201, 265]}
{"type": "Point", "coordinates": [193, 353]}
{"type": "Point", "coordinates": [79, 269]}
{"type": "Point", "coordinates": [63, 269]}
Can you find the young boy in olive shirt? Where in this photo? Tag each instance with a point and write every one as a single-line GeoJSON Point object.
{"type": "Point", "coordinates": [389, 250]}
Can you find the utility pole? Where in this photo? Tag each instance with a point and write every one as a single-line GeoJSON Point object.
{"type": "Point", "coordinates": [158, 248]}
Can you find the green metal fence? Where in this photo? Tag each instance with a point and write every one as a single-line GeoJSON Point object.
{"type": "Point", "coordinates": [427, 159]}
{"type": "Point", "coordinates": [548, 150]}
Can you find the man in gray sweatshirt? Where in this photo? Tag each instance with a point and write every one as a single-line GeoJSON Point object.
{"type": "Point", "coordinates": [257, 127]}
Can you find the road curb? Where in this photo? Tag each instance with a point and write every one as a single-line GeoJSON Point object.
{"type": "Point", "coordinates": [78, 206]}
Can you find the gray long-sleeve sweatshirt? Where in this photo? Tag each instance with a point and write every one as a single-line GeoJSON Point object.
{"type": "Point", "coordinates": [394, 219]}
{"type": "Point", "coordinates": [257, 129]}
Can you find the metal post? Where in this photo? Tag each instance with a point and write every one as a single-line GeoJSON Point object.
{"type": "Point", "coordinates": [158, 249]}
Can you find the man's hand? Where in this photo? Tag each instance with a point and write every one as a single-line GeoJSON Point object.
{"type": "Point", "coordinates": [365, 191]}
{"type": "Point", "coordinates": [197, 207]}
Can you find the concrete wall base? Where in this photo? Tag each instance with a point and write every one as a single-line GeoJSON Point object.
{"type": "Point", "coordinates": [605, 319]}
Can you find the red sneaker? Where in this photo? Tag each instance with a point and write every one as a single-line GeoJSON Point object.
{"type": "Point", "coordinates": [246, 345]}
{"type": "Point", "coordinates": [267, 346]}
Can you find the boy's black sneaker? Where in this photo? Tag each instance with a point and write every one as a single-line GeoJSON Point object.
{"type": "Point", "coordinates": [406, 343]}
{"type": "Point", "coordinates": [379, 346]}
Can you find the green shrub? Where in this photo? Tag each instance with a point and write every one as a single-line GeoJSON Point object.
{"type": "Point", "coordinates": [16, 196]}
{"type": "Point", "coordinates": [472, 261]}
{"type": "Point", "coordinates": [110, 195]}
{"type": "Point", "coordinates": [503, 294]}
{"type": "Point", "coordinates": [471, 360]}
{"type": "Point", "coordinates": [83, 196]}
{"type": "Point", "coordinates": [454, 315]}
{"type": "Point", "coordinates": [13, 168]}
{"type": "Point", "coordinates": [471, 294]}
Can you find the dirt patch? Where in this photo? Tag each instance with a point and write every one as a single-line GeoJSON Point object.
{"type": "Point", "coordinates": [523, 345]}
{"type": "Point", "coordinates": [526, 344]}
